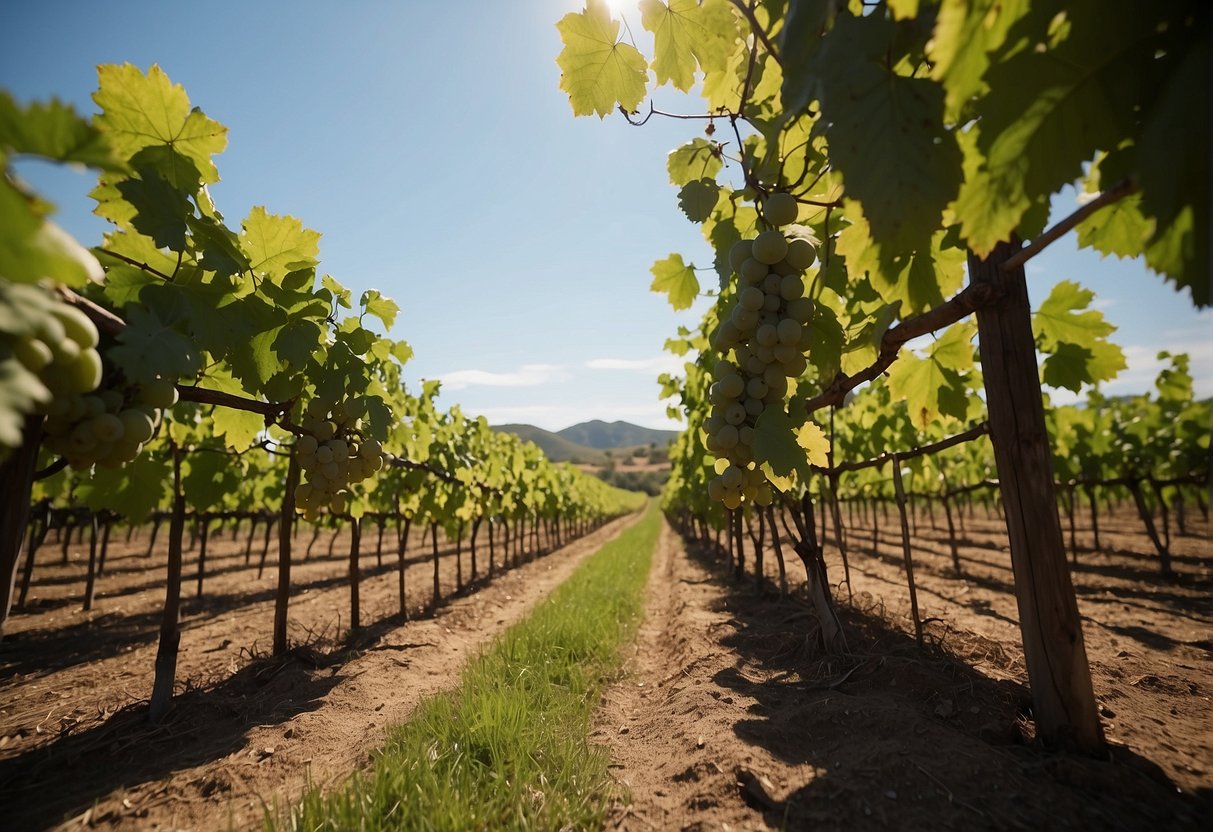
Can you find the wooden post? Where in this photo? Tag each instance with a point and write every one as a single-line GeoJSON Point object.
{"type": "Point", "coordinates": [90, 584]}
{"type": "Point", "coordinates": [1056, 658]}
{"type": "Point", "coordinates": [355, 574]}
{"type": "Point", "coordinates": [402, 544]}
{"type": "Point", "coordinates": [899, 490]}
{"type": "Point", "coordinates": [16, 484]}
{"type": "Point", "coordinates": [170, 632]}
{"type": "Point", "coordinates": [286, 526]}
{"type": "Point", "coordinates": [203, 525]}
{"type": "Point", "coordinates": [434, 542]}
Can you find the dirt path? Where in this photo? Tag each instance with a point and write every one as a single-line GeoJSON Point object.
{"type": "Point", "coordinates": [244, 728]}
{"type": "Point", "coordinates": [730, 719]}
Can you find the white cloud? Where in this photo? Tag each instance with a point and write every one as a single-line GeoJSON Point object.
{"type": "Point", "coordinates": [529, 375]}
{"type": "Point", "coordinates": [1144, 365]}
{"type": "Point", "coordinates": [660, 364]}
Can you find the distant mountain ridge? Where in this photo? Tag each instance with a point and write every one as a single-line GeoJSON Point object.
{"type": "Point", "coordinates": [589, 442]}
{"type": "Point", "coordinates": [609, 435]}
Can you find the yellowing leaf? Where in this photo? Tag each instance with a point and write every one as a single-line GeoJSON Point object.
{"type": "Point", "coordinates": [686, 33]}
{"type": "Point", "coordinates": [676, 279]}
{"type": "Point", "coordinates": [815, 443]}
{"type": "Point", "coordinates": [598, 71]}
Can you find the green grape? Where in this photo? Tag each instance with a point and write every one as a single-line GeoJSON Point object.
{"type": "Point", "coordinates": [732, 386]}
{"type": "Point", "coordinates": [324, 454]}
{"type": "Point", "coordinates": [318, 410]}
{"type": "Point", "coordinates": [801, 309]}
{"type": "Point", "coordinates": [780, 209]}
{"type": "Point", "coordinates": [84, 372]}
{"type": "Point", "coordinates": [745, 436]}
{"type": "Point", "coordinates": [107, 427]}
{"type": "Point", "coordinates": [306, 444]}
{"type": "Point", "coordinates": [726, 438]}
{"type": "Point", "coordinates": [740, 251]}
{"type": "Point", "coordinates": [137, 426]}
{"type": "Point", "coordinates": [789, 332]}
{"type": "Point", "coordinates": [160, 394]}
{"type": "Point", "coordinates": [755, 365]}
{"type": "Point", "coordinates": [772, 283]}
{"type": "Point", "coordinates": [77, 326]}
{"type": "Point", "coordinates": [33, 354]}
{"type": "Point", "coordinates": [722, 368]}
{"type": "Point", "coordinates": [791, 287]}
{"type": "Point", "coordinates": [732, 478]}
{"type": "Point", "coordinates": [785, 353]}
{"type": "Point", "coordinates": [801, 254]}
{"type": "Point", "coordinates": [735, 413]}
{"type": "Point", "coordinates": [770, 247]}
{"type": "Point", "coordinates": [753, 271]}
{"type": "Point", "coordinates": [744, 319]}
{"type": "Point", "coordinates": [731, 499]}
{"type": "Point", "coordinates": [754, 407]}
{"type": "Point", "coordinates": [771, 303]}
{"type": "Point", "coordinates": [325, 431]}
{"type": "Point", "coordinates": [93, 406]}
{"type": "Point", "coordinates": [751, 297]}
{"type": "Point", "coordinates": [767, 335]}
{"type": "Point", "coordinates": [756, 387]}
{"type": "Point", "coordinates": [716, 489]}
{"type": "Point", "coordinates": [339, 504]}
{"type": "Point", "coordinates": [66, 351]}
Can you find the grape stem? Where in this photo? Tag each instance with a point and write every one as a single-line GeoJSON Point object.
{"type": "Point", "coordinates": [968, 301]}
{"type": "Point", "coordinates": [138, 264]}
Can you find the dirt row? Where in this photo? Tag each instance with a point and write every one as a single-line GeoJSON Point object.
{"type": "Point", "coordinates": [730, 717]}
{"type": "Point", "coordinates": [245, 729]}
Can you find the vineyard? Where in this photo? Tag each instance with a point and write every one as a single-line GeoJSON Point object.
{"type": "Point", "coordinates": [244, 563]}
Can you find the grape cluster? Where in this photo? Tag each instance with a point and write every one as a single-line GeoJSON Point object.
{"type": "Point", "coordinates": [333, 455]}
{"type": "Point", "coordinates": [763, 339]}
{"type": "Point", "coordinates": [108, 428]}
{"type": "Point", "coordinates": [60, 348]}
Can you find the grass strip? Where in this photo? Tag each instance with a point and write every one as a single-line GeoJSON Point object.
{"type": "Point", "coordinates": [508, 749]}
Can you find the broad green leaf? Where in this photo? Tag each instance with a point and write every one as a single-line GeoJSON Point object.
{"type": "Point", "coordinates": [139, 111]}
{"type": "Point", "coordinates": [149, 347]}
{"type": "Point", "coordinates": [597, 70]}
{"type": "Point", "coordinates": [161, 211]}
{"type": "Point", "coordinates": [134, 491]}
{"type": "Point", "coordinates": [383, 308]}
{"type": "Point", "coordinates": [687, 33]}
{"type": "Point", "coordinates": [33, 248]}
{"type": "Point", "coordinates": [1050, 108]}
{"type": "Point", "coordinates": [207, 476]}
{"type": "Point", "coordinates": [885, 133]}
{"type": "Point", "coordinates": [277, 245]}
{"type": "Point", "coordinates": [20, 393]}
{"type": "Point", "coordinates": [697, 159]}
{"type": "Point", "coordinates": [1119, 228]}
{"type": "Point", "coordinates": [966, 32]}
{"type": "Point", "coordinates": [239, 428]}
{"type": "Point", "coordinates": [698, 198]}
{"type": "Point", "coordinates": [799, 41]}
{"type": "Point", "coordinates": [1071, 366]}
{"type": "Point", "coordinates": [677, 280]}
{"type": "Point", "coordinates": [928, 389]}
{"type": "Point", "coordinates": [1173, 156]}
{"type": "Point", "coordinates": [1060, 318]}
{"type": "Point", "coordinates": [777, 443]}
{"type": "Point", "coordinates": [53, 130]}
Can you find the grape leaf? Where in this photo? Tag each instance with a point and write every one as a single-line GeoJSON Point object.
{"type": "Point", "coordinates": [697, 199]}
{"type": "Point", "coordinates": [277, 245]}
{"type": "Point", "coordinates": [597, 70]}
{"type": "Point", "coordinates": [697, 159]}
{"type": "Point", "coordinates": [207, 477]}
{"type": "Point", "coordinates": [20, 393]}
{"type": "Point", "coordinates": [160, 209]}
{"type": "Point", "coordinates": [54, 130]}
{"type": "Point", "coordinates": [139, 111]}
{"type": "Point", "coordinates": [149, 347]}
{"type": "Point", "coordinates": [1071, 366]}
{"type": "Point", "coordinates": [239, 428]}
{"type": "Point", "coordinates": [134, 491]}
{"type": "Point", "coordinates": [966, 32]}
{"type": "Point", "coordinates": [677, 279]}
{"type": "Point", "coordinates": [777, 442]}
{"type": "Point", "coordinates": [33, 248]}
{"type": "Point", "coordinates": [885, 133]}
{"type": "Point", "coordinates": [1119, 229]}
{"type": "Point", "coordinates": [799, 42]}
{"type": "Point", "coordinates": [383, 308]}
{"type": "Point", "coordinates": [686, 33]}
{"type": "Point", "coordinates": [1048, 110]}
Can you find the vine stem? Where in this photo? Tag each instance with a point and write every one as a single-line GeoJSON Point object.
{"type": "Point", "coordinates": [758, 30]}
{"type": "Point", "coordinates": [1117, 192]}
{"type": "Point", "coordinates": [109, 323]}
{"type": "Point", "coordinates": [968, 301]}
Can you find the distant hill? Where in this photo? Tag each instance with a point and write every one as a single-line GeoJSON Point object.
{"type": "Point", "coordinates": [554, 446]}
{"type": "Point", "coordinates": [604, 435]}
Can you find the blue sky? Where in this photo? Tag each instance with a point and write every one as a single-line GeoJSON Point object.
{"type": "Point", "coordinates": [431, 146]}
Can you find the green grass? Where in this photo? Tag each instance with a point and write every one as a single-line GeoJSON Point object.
{"type": "Point", "coordinates": [508, 749]}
